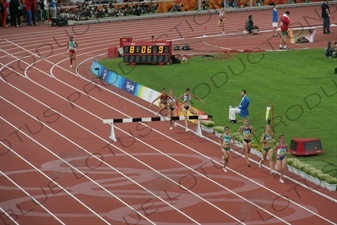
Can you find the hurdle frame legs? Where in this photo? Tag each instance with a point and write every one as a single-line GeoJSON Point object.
{"type": "Point", "coordinates": [198, 130]}
{"type": "Point", "coordinates": [112, 133]}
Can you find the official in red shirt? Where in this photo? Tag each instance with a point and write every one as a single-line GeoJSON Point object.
{"type": "Point", "coordinates": [284, 22]}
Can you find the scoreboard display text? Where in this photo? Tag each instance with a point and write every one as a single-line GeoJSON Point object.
{"type": "Point", "coordinates": [147, 52]}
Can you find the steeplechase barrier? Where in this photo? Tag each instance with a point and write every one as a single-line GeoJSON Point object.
{"type": "Point", "coordinates": [155, 119]}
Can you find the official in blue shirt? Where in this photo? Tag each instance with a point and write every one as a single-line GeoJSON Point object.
{"type": "Point", "coordinates": [242, 109]}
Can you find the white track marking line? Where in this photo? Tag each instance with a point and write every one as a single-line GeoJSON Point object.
{"type": "Point", "coordinates": [4, 212]}
{"type": "Point", "coordinates": [199, 153]}
{"type": "Point", "coordinates": [64, 40]}
{"type": "Point", "coordinates": [56, 64]}
{"type": "Point", "coordinates": [177, 160]}
{"type": "Point", "coordinates": [144, 108]}
{"type": "Point", "coordinates": [281, 196]}
{"type": "Point", "coordinates": [74, 168]}
{"type": "Point", "coordinates": [23, 190]}
{"type": "Point", "coordinates": [94, 156]}
{"type": "Point", "coordinates": [173, 158]}
{"type": "Point", "coordinates": [100, 119]}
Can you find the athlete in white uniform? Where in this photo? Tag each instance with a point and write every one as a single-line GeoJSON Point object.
{"type": "Point", "coordinates": [221, 22]}
{"type": "Point", "coordinates": [187, 104]}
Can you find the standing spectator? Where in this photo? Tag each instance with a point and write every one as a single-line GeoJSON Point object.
{"type": "Point", "coordinates": [242, 109]}
{"type": "Point", "coordinates": [326, 17]}
{"type": "Point", "coordinates": [53, 9]}
{"type": "Point", "coordinates": [45, 8]}
{"type": "Point", "coordinates": [274, 20]}
{"type": "Point", "coordinates": [14, 8]}
{"type": "Point", "coordinates": [4, 12]}
{"type": "Point", "coordinates": [28, 8]}
{"type": "Point", "coordinates": [21, 11]}
{"type": "Point", "coordinates": [34, 11]}
{"type": "Point", "coordinates": [284, 22]}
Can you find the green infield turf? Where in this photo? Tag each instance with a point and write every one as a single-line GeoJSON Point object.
{"type": "Point", "coordinates": [301, 84]}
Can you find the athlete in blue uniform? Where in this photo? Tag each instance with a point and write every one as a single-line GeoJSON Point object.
{"type": "Point", "coordinates": [247, 133]}
{"type": "Point", "coordinates": [226, 141]}
{"type": "Point", "coordinates": [267, 139]}
{"type": "Point", "coordinates": [281, 152]}
{"type": "Point", "coordinates": [187, 104]}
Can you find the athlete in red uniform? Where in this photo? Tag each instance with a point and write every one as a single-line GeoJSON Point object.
{"type": "Point", "coordinates": [163, 101]}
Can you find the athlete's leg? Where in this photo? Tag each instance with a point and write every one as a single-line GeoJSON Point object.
{"type": "Point", "coordinates": [245, 152]}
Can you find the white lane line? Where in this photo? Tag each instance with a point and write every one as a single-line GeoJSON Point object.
{"type": "Point", "coordinates": [5, 213]}
{"type": "Point", "coordinates": [77, 74]}
{"type": "Point", "coordinates": [100, 119]}
{"type": "Point", "coordinates": [251, 180]}
{"type": "Point", "coordinates": [71, 166]}
{"type": "Point", "coordinates": [199, 153]}
{"type": "Point", "coordinates": [94, 156]}
{"type": "Point", "coordinates": [172, 157]}
{"type": "Point", "coordinates": [24, 191]}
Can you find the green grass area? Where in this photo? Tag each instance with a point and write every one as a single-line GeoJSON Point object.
{"type": "Point", "coordinates": [301, 85]}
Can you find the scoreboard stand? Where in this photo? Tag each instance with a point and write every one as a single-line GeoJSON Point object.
{"type": "Point", "coordinates": [147, 52]}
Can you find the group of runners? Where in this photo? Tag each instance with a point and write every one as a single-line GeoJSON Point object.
{"type": "Point", "coordinates": [171, 103]}
{"type": "Point", "coordinates": [278, 151]}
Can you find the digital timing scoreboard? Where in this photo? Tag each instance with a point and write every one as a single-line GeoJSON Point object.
{"type": "Point", "coordinates": [152, 52]}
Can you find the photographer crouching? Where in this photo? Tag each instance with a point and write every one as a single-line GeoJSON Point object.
{"type": "Point", "coordinates": [331, 51]}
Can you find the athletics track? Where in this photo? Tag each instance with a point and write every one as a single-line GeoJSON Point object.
{"type": "Point", "coordinates": [59, 167]}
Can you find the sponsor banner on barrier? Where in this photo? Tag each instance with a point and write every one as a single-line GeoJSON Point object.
{"type": "Point", "coordinates": [95, 68]}
{"type": "Point", "coordinates": [104, 73]}
{"type": "Point", "coordinates": [113, 78]}
{"type": "Point", "coordinates": [130, 86]}
{"type": "Point", "coordinates": [133, 88]}
{"type": "Point", "coordinates": [150, 95]}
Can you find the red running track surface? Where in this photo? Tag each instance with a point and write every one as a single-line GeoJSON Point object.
{"type": "Point", "coordinates": [59, 167]}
